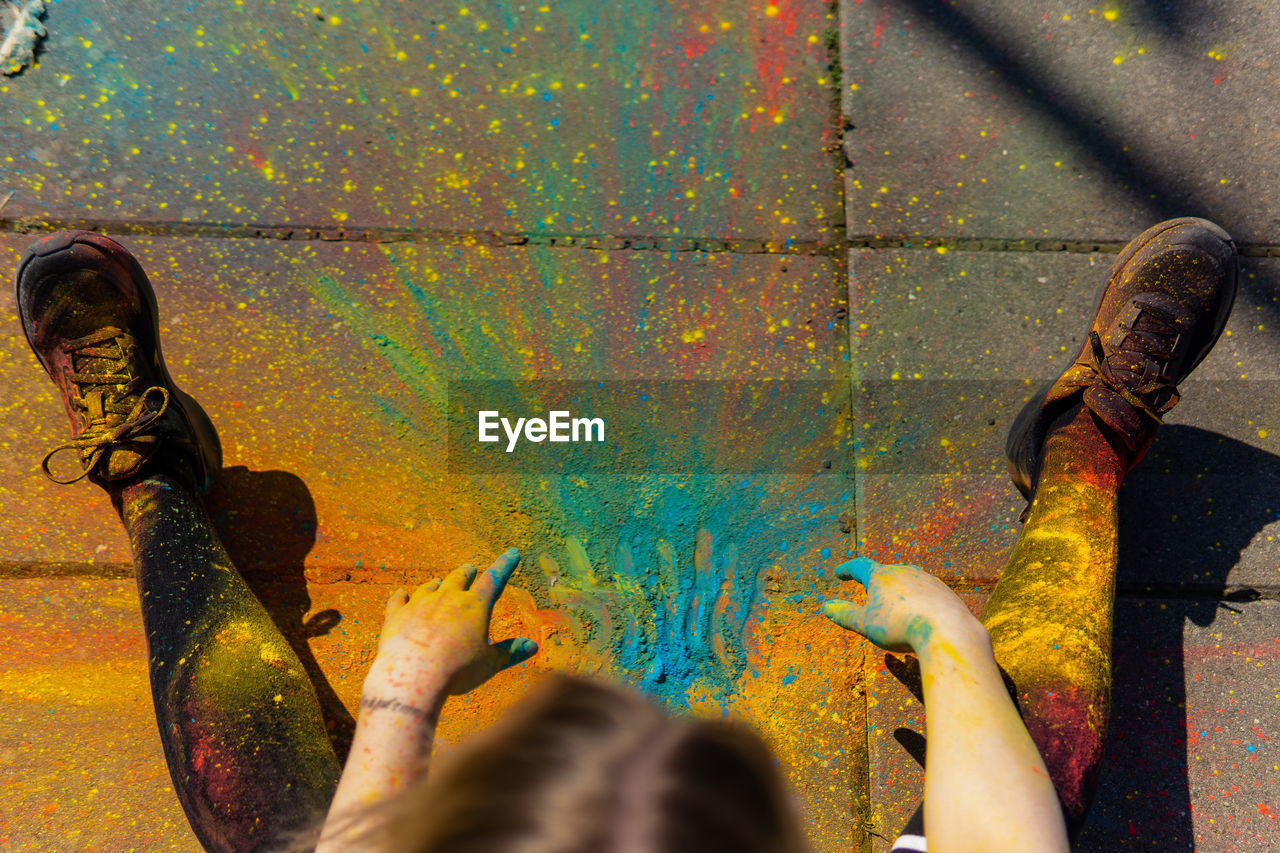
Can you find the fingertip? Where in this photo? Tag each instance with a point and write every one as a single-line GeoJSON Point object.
{"type": "Point", "coordinates": [843, 613]}
{"type": "Point", "coordinates": [510, 559]}
{"type": "Point", "coordinates": [859, 569]}
{"type": "Point", "coordinates": [507, 561]}
{"type": "Point", "coordinates": [460, 578]}
{"type": "Point", "coordinates": [398, 598]}
{"type": "Point", "coordinates": [518, 650]}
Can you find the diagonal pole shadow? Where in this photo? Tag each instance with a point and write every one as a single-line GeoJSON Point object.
{"type": "Point", "coordinates": [1163, 194]}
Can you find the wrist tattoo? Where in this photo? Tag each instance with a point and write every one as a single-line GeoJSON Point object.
{"type": "Point", "coordinates": [376, 703]}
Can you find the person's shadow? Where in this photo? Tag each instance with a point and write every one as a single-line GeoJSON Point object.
{"type": "Point", "coordinates": [267, 521]}
{"type": "Point", "coordinates": [1187, 512]}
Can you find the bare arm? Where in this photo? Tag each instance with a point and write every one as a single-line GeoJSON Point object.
{"type": "Point", "coordinates": [980, 754]}
{"type": "Point", "coordinates": [433, 644]}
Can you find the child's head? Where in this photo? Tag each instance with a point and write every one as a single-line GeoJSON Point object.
{"type": "Point", "coordinates": [585, 766]}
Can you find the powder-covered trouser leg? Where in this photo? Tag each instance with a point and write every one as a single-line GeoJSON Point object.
{"type": "Point", "coordinates": [239, 719]}
{"type": "Point", "coordinates": [1050, 613]}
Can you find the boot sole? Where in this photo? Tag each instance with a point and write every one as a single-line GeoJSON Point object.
{"type": "Point", "coordinates": [41, 260]}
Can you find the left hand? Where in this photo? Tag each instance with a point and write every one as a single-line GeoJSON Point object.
{"type": "Point", "coordinates": [906, 608]}
{"type": "Point", "coordinates": [442, 630]}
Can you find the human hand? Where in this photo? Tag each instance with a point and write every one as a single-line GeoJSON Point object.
{"type": "Point", "coordinates": [905, 608]}
{"type": "Point", "coordinates": [441, 632]}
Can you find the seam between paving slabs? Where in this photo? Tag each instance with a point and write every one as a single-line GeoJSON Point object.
{"type": "Point", "coordinates": [861, 831]}
{"type": "Point", "coordinates": [314, 575]}
{"type": "Point", "coordinates": [303, 233]}
{"type": "Point", "coordinates": [609, 242]}
{"type": "Point", "coordinates": [1231, 594]}
{"type": "Point", "coordinates": [599, 242]}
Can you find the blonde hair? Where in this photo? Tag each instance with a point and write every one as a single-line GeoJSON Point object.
{"type": "Point", "coordinates": [586, 767]}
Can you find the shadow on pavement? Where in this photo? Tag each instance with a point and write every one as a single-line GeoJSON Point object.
{"type": "Point", "coordinates": [1169, 17]}
{"type": "Point", "coordinates": [267, 521]}
{"type": "Point", "coordinates": [1187, 512]}
{"type": "Point", "coordinates": [1148, 180]}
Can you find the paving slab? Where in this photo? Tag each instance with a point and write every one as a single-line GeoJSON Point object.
{"type": "Point", "coordinates": [1190, 759]}
{"type": "Point", "coordinates": [329, 364]}
{"type": "Point", "coordinates": [935, 390]}
{"type": "Point", "coordinates": [1072, 120]}
{"type": "Point", "coordinates": [688, 120]}
{"type": "Point", "coordinates": [946, 349]}
{"type": "Point", "coordinates": [80, 761]}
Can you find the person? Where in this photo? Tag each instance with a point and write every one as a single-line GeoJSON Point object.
{"type": "Point", "coordinates": [585, 766]}
{"type": "Point", "coordinates": [1047, 624]}
{"type": "Point", "coordinates": [1158, 314]}
{"type": "Point", "coordinates": [240, 722]}
{"type": "Point", "coordinates": [577, 766]}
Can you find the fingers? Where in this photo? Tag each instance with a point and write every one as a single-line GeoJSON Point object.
{"type": "Point", "coordinates": [512, 652]}
{"type": "Point", "coordinates": [490, 584]}
{"type": "Point", "coordinates": [430, 586]}
{"type": "Point", "coordinates": [459, 578]}
{"type": "Point", "coordinates": [845, 614]}
{"type": "Point", "coordinates": [859, 570]}
{"type": "Point", "coordinates": [496, 658]}
{"type": "Point", "coordinates": [398, 599]}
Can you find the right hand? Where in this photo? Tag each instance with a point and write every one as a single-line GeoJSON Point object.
{"type": "Point", "coordinates": [906, 607]}
{"type": "Point", "coordinates": [442, 630]}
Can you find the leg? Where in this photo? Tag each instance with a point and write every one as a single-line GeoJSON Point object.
{"type": "Point", "coordinates": [1049, 616]}
{"type": "Point", "coordinates": [239, 720]}
{"type": "Point", "coordinates": [1050, 613]}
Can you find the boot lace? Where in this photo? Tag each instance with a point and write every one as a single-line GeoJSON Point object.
{"type": "Point", "coordinates": [103, 389]}
{"type": "Point", "coordinates": [1135, 370]}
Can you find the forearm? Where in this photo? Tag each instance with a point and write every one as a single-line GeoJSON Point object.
{"type": "Point", "coordinates": [986, 787]}
{"type": "Point", "coordinates": [399, 711]}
